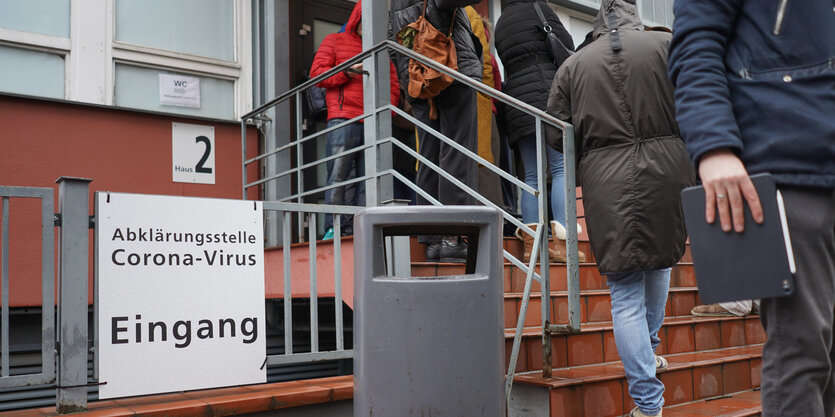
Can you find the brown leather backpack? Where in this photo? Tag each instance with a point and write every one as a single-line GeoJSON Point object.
{"type": "Point", "coordinates": [426, 82]}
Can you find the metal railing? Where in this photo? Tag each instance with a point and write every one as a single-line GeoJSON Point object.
{"type": "Point", "coordinates": [311, 211]}
{"type": "Point", "coordinates": [47, 365]}
{"type": "Point", "coordinates": [64, 341]}
{"type": "Point", "coordinates": [374, 147]}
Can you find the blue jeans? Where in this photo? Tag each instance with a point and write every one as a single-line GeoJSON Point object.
{"type": "Point", "coordinates": [530, 206]}
{"type": "Point", "coordinates": [344, 168]}
{"type": "Point", "coordinates": [638, 301]}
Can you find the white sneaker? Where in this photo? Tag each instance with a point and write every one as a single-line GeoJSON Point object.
{"type": "Point", "coordinates": [636, 412]}
{"type": "Point", "coordinates": [660, 364]}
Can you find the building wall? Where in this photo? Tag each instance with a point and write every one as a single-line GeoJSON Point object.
{"type": "Point", "coordinates": [121, 151]}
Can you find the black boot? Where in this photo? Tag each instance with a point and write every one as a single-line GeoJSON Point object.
{"type": "Point", "coordinates": [433, 251]}
{"type": "Point", "coordinates": [453, 249]}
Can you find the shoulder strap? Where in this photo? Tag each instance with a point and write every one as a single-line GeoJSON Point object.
{"type": "Point", "coordinates": [452, 22]}
{"type": "Point", "coordinates": [545, 24]}
{"type": "Point", "coordinates": [550, 36]}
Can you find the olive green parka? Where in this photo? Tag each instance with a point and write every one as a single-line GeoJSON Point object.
{"type": "Point", "coordinates": [632, 162]}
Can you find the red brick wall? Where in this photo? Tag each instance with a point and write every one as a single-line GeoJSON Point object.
{"type": "Point", "coordinates": [121, 151]}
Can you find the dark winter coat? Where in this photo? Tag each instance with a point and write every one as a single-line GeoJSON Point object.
{"type": "Point", "coordinates": [344, 92]}
{"type": "Point", "coordinates": [633, 164]}
{"type": "Point", "coordinates": [467, 46]}
{"type": "Point", "coordinates": [760, 82]}
{"type": "Point", "coordinates": [529, 71]}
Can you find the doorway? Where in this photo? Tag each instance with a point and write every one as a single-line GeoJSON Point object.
{"type": "Point", "coordinates": [313, 20]}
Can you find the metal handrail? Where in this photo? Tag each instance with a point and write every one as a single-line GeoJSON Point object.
{"type": "Point", "coordinates": [388, 44]}
{"type": "Point", "coordinates": [540, 252]}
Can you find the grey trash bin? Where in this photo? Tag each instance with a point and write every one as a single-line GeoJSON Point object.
{"type": "Point", "coordinates": [428, 346]}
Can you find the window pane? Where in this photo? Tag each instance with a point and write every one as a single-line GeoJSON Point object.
{"type": "Point", "coordinates": [47, 17]}
{"type": "Point", "coordinates": [197, 27]}
{"type": "Point", "coordinates": [138, 87]}
{"type": "Point", "coordinates": [322, 28]}
{"type": "Point", "coordinates": [661, 12]}
{"type": "Point", "coordinates": [31, 72]}
{"type": "Point", "coordinates": [647, 15]}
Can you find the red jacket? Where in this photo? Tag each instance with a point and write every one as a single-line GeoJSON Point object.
{"type": "Point", "coordinates": [343, 92]}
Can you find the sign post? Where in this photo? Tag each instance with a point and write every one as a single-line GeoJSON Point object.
{"type": "Point", "coordinates": [181, 293]}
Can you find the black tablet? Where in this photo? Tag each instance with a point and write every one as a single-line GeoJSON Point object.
{"type": "Point", "coordinates": [730, 266]}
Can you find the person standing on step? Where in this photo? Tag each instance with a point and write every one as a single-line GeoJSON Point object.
{"type": "Point", "coordinates": [523, 49]}
{"type": "Point", "coordinates": [343, 93]}
{"type": "Point", "coordinates": [456, 116]}
{"type": "Point", "coordinates": [632, 167]}
{"type": "Point", "coordinates": [488, 181]}
{"type": "Point", "coordinates": [755, 92]}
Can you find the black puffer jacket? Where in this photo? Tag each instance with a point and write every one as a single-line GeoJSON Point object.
{"type": "Point", "coordinates": [520, 41]}
{"type": "Point", "coordinates": [467, 46]}
{"type": "Point", "coordinates": [633, 165]}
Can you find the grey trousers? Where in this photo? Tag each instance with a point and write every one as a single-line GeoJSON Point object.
{"type": "Point", "coordinates": [798, 377]}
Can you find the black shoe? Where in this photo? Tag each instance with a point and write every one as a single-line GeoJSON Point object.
{"type": "Point", "coordinates": [433, 251]}
{"type": "Point", "coordinates": [453, 249]}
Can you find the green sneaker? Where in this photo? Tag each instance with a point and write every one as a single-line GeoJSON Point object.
{"type": "Point", "coordinates": [328, 234]}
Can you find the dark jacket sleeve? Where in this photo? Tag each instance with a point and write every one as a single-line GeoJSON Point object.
{"type": "Point", "coordinates": [701, 33]}
{"type": "Point", "coordinates": [559, 106]}
{"type": "Point", "coordinates": [324, 60]}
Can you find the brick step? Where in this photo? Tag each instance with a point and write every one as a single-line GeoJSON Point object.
{"type": "Point", "coordinates": [595, 343]}
{"type": "Point", "coordinates": [264, 399]}
{"type": "Point", "coordinates": [600, 390]}
{"type": "Point", "coordinates": [741, 404]}
{"type": "Point", "coordinates": [595, 306]}
{"type": "Point", "coordinates": [682, 275]}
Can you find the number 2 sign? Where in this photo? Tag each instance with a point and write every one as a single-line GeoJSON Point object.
{"type": "Point", "coordinates": [193, 153]}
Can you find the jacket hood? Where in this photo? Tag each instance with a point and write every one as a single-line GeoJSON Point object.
{"type": "Point", "coordinates": [626, 13]}
{"type": "Point", "coordinates": [355, 19]}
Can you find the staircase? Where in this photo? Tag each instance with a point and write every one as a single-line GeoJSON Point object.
{"type": "Point", "coordinates": [714, 362]}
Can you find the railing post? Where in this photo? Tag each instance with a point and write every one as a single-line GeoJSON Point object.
{"type": "Point", "coordinates": [277, 131]}
{"type": "Point", "coordinates": [398, 256]}
{"type": "Point", "coordinates": [377, 92]}
{"type": "Point", "coordinates": [73, 205]}
{"type": "Point", "coordinates": [572, 267]}
{"type": "Point", "coordinates": [542, 163]}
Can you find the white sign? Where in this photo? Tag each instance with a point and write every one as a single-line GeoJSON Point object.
{"type": "Point", "coordinates": [193, 153]}
{"type": "Point", "coordinates": [181, 293]}
{"type": "Point", "coordinates": [179, 90]}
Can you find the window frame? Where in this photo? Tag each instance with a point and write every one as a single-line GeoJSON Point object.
{"type": "Point", "coordinates": [90, 67]}
{"type": "Point", "coordinates": [40, 43]}
{"type": "Point", "coordinates": [239, 71]}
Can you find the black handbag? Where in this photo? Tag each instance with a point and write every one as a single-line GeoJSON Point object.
{"type": "Point", "coordinates": [556, 50]}
{"type": "Point", "coordinates": [315, 104]}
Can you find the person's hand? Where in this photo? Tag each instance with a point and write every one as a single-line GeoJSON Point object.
{"type": "Point", "coordinates": [355, 70]}
{"type": "Point", "coordinates": [726, 183]}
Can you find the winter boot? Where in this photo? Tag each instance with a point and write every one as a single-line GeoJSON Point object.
{"type": "Point", "coordinates": [453, 249]}
{"type": "Point", "coordinates": [558, 243]}
{"type": "Point", "coordinates": [527, 244]}
{"type": "Point", "coordinates": [433, 251]}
